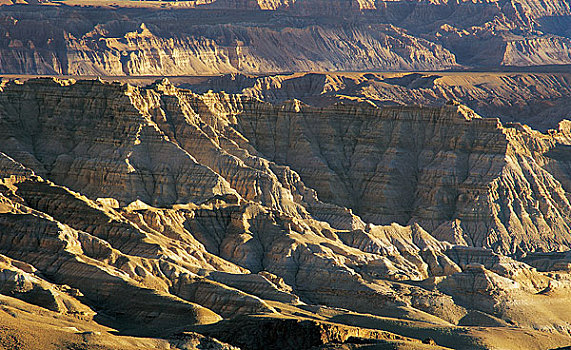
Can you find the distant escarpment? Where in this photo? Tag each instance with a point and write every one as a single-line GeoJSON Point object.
{"type": "Point", "coordinates": [216, 37]}
{"type": "Point", "coordinates": [159, 212]}
{"type": "Point", "coordinates": [540, 100]}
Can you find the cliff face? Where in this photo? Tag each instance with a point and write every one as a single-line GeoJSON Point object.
{"type": "Point", "coordinates": [155, 210]}
{"type": "Point", "coordinates": [437, 167]}
{"type": "Point", "coordinates": [226, 49]}
{"type": "Point", "coordinates": [284, 37]}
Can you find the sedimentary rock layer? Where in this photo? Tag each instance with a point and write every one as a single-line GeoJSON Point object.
{"type": "Point", "coordinates": [158, 212]}
{"type": "Point", "coordinates": [540, 100]}
{"type": "Point", "coordinates": [215, 37]}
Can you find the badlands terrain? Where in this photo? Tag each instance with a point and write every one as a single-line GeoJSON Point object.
{"type": "Point", "coordinates": [313, 174]}
{"type": "Point", "coordinates": [151, 216]}
{"type": "Point", "coordinates": [201, 37]}
{"type": "Point", "coordinates": [540, 100]}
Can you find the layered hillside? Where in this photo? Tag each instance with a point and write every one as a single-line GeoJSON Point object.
{"type": "Point", "coordinates": [540, 100]}
{"type": "Point", "coordinates": [178, 218]}
{"type": "Point", "coordinates": [227, 36]}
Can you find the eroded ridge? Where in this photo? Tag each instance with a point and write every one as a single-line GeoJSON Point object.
{"type": "Point", "coordinates": [160, 212]}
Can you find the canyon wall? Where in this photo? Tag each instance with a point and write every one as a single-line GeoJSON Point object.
{"type": "Point", "coordinates": [157, 211]}
{"type": "Point", "coordinates": [281, 37]}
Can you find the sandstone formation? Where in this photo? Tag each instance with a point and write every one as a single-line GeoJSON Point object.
{"type": "Point", "coordinates": [259, 37]}
{"type": "Point", "coordinates": [186, 218]}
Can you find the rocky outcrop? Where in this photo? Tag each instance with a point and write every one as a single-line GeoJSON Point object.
{"type": "Point", "coordinates": [264, 333]}
{"type": "Point", "coordinates": [158, 211]}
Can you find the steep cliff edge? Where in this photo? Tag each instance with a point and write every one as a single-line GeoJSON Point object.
{"type": "Point", "coordinates": [431, 166]}
{"type": "Point", "coordinates": [216, 37]}
{"type": "Point", "coordinates": [158, 211]}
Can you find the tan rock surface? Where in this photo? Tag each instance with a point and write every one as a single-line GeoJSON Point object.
{"type": "Point", "coordinates": [165, 211]}
{"type": "Point", "coordinates": [28, 327]}
{"type": "Point", "coordinates": [540, 100]}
